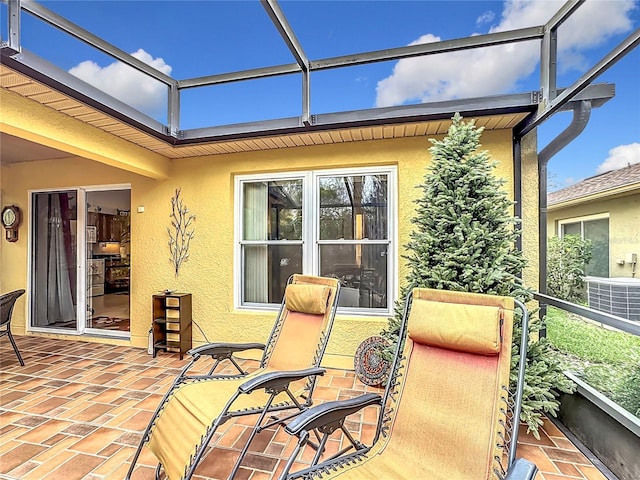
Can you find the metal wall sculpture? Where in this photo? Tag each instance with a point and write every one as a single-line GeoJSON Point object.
{"type": "Point", "coordinates": [181, 231]}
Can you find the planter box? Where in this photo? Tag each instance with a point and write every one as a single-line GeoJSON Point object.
{"type": "Point", "coordinates": [611, 433]}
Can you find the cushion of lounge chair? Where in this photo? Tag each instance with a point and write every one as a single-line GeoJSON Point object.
{"type": "Point", "coordinates": [190, 414]}
{"type": "Point", "coordinates": [311, 299]}
{"type": "Point", "coordinates": [464, 328]}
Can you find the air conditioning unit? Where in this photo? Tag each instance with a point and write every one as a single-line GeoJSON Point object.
{"type": "Point", "coordinates": [617, 296]}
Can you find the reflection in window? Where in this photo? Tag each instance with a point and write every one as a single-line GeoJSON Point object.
{"type": "Point", "coordinates": [362, 270]}
{"type": "Point", "coordinates": [596, 230]}
{"type": "Point", "coordinates": [341, 231]}
{"type": "Point", "coordinates": [271, 211]}
{"type": "Point", "coordinates": [355, 208]}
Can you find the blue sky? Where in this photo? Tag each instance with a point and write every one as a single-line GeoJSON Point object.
{"type": "Point", "coordinates": [188, 39]}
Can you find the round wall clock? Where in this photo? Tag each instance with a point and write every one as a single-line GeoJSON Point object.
{"type": "Point", "coordinates": [11, 221]}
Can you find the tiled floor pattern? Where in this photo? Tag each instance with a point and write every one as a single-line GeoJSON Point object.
{"type": "Point", "coordinates": [77, 410]}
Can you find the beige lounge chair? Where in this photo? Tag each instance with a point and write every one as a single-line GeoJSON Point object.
{"type": "Point", "coordinates": [447, 412]}
{"type": "Point", "coordinates": [196, 406]}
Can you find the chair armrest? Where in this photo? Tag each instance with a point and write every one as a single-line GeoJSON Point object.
{"type": "Point", "coordinates": [330, 412]}
{"type": "Point", "coordinates": [278, 379]}
{"type": "Point", "coordinates": [223, 350]}
{"type": "Point", "coordinates": [522, 470]}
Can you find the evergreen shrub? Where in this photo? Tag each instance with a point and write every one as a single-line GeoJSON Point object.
{"type": "Point", "coordinates": [465, 240]}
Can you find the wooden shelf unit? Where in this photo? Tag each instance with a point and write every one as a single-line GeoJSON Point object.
{"type": "Point", "coordinates": [172, 323]}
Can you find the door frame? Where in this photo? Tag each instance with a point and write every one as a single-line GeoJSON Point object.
{"type": "Point", "coordinates": [94, 332]}
{"type": "Point", "coordinates": [81, 262]}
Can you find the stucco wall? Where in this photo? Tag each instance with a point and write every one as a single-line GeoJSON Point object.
{"type": "Point", "coordinates": [17, 179]}
{"type": "Point", "coordinates": [207, 189]}
{"type": "Point", "coordinates": [530, 209]}
{"type": "Point", "coordinates": [32, 121]}
{"type": "Point", "coordinates": [624, 227]}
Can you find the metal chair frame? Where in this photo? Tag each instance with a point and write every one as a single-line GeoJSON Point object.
{"type": "Point", "coordinates": [329, 417]}
{"type": "Point", "coordinates": [273, 383]}
{"type": "Point", "coordinates": [7, 302]}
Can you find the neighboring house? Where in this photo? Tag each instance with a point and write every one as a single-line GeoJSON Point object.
{"type": "Point", "coordinates": [606, 210]}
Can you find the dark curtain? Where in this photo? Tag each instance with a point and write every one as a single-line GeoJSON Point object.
{"type": "Point", "coordinates": [54, 269]}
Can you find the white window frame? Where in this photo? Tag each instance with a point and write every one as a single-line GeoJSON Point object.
{"type": "Point", "coordinates": [581, 220]}
{"type": "Point", "coordinates": [310, 230]}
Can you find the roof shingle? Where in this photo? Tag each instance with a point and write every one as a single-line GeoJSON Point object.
{"type": "Point", "coordinates": [596, 184]}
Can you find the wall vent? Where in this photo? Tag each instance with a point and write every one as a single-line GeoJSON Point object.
{"type": "Point", "coordinates": [617, 296]}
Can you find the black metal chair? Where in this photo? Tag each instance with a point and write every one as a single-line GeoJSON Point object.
{"type": "Point", "coordinates": [7, 302]}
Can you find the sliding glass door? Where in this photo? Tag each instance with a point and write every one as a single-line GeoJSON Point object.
{"type": "Point", "coordinates": [108, 256]}
{"type": "Point", "coordinates": [80, 254]}
{"type": "Point", "coordinates": [54, 261]}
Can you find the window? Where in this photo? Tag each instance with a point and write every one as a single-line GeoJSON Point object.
{"type": "Point", "coordinates": [335, 223]}
{"type": "Point", "coordinates": [596, 229]}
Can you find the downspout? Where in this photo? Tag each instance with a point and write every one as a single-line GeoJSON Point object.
{"type": "Point", "coordinates": [581, 115]}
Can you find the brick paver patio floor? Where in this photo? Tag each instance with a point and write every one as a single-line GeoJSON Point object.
{"type": "Point", "coordinates": [77, 411]}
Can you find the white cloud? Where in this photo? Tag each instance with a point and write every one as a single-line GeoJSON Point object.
{"type": "Point", "coordinates": [128, 84]}
{"type": "Point", "coordinates": [486, 17]}
{"type": "Point", "coordinates": [495, 70]}
{"type": "Point", "coordinates": [620, 157]}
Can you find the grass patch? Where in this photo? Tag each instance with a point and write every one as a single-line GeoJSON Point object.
{"type": "Point", "coordinates": [589, 341]}
{"type": "Point", "coordinates": [608, 360]}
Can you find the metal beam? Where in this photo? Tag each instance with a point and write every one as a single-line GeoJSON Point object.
{"type": "Point", "coordinates": [80, 33]}
{"type": "Point", "coordinates": [488, 40]}
{"type": "Point", "coordinates": [13, 14]}
{"type": "Point", "coordinates": [54, 77]}
{"type": "Point", "coordinates": [532, 33]}
{"type": "Point", "coordinates": [497, 104]}
{"type": "Point", "coordinates": [565, 11]}
{"type": "Point", "coordinates": [590, 313]}
{"type": "Point", "coordinates": [173, 109]}
{"type": "Point", "coordinates": [240, 131]}
{"type": "Point", "coordinates": [549, 66]}
{"type": "Point", "coordinates": [583, 82]}
{"type": "Point", "coordinates": [230, 77]}
{"type": "Point", "coordinates": [482, 106]}
{"type": "Point", "coordinates": [549, 52]}
{"type": "Point", "coordinates": [306, 99]}
{"type": "Point", "coordinates": [280, 21]}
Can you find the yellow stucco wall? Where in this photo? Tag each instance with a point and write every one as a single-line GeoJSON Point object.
{"type": "Point", "coordinates": [530, 209]}
{"type": "Point", "coordinates": [32, 121]}
{"type": "Point", "coordinates": [207, 189]}
{"type": "Point", "coordinates": [17, 179]}
{"type": "Point", "coordinates": [624, 227]}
